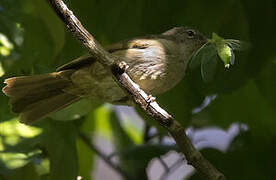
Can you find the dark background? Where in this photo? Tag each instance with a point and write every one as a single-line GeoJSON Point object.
{"type": "Point", "coordinates": [245, 93]}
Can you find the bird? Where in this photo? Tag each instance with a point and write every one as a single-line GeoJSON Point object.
{"type": "Point", "coordinates": [155, 62]}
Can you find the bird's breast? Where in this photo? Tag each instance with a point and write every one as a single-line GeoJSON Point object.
{"type": "Point", "coordinates": [154, 69]}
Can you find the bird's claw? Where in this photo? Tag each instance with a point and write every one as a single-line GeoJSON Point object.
{"type": "Point", "coordinates": [150, 99]}
{"type": "Point", "coordinates": [123, 65]}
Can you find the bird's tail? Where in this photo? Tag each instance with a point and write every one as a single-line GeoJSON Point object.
{"type": "Point", "coordinates": [35, 97]}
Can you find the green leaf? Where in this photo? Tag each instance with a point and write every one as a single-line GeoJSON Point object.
{"type": "Point", "coordinates": [2, 71]}
{"type": "Point", "coordinates": [198, 55]}
{"type": "Point", "coordinates": [17, 144]}
{"type": "Point", "coordinates": [120, 137]}
{"type": "Point", "coordinates": [85, 159]}
{"type": "Point", "coordinates": [28, 172]}
{"type": "Point", "coordinates": [225, 53]}
{"type": "Point", "coordinates": [74, 111]}
{"type": "Point", "coordinates": [209, 64]}
{"type": "Point", "coordinates": [216, 38]}
{"type": "Point", "coordinates": [85, 155]}
{"type": "Point", "coordinates": [207, 58]}
{"type": "Point", "coordinates": [14, 128]}
{"type": "Point", "coordinates": [60, 141]}
{"type": "Point", "coordinates": [223, 49]}
{"type": "Point", "coordinates": [51, 20]}
{"type": "Point", "coordinates": [121, 140]}
{"type": "Point", "coordinates": [138, 157]}
{"type": "Point", "coordinates": [101, 116]}
{"type": "Point", "coordinates": [12, 160]}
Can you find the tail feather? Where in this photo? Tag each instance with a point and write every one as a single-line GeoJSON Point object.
{"type": "Point", "coordinates": [34, 97]}
{"type": "Point", "coordinates": [21, 103]}
{"type": "Point", "coordinates": [44, 107]}
{"type": "Point", "coordinates": [27, 85]}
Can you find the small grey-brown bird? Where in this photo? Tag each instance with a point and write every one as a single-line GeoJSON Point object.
{"type": "Point", "coordinates": [156, 63]}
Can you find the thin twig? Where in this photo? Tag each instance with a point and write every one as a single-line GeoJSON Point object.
{"type": "Point", "coordinates": [111, 155]}
{"type": "Point", "coordinates": [146, 133]}
{"type": "Point", "coordinates": [194, 157]}
{"type": "Point", "coordinates": [164, 164]}
{"type": "Point", "coordinates": [107, 160]}
{"type": "Point", "coordinates": [172, 168]}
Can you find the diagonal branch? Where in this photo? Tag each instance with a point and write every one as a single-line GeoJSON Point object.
{"type": "Point", "coordinates": [193, 156]}
{"type": "Point", "coordinates": [105, 158]}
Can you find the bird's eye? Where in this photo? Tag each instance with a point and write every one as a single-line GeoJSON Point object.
{"type": "Point", "coordinates": [191, 33]}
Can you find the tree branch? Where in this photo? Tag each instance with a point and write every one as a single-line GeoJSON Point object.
{"type": "Point", "coordinates": [118, 70]}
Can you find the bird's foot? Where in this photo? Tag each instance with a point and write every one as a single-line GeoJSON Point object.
{"type": "Point", "coordinates": [150, 99]}
{"type": "Point", "coordinates": [123, 65]}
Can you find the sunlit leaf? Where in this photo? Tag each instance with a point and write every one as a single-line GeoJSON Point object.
{"type": "Point", "coordinates": [102, 121]}
{"type": "Point", "coordinates": [4, 41]}
{"type": "Point", "coordinates": [85, 155]}
{"type": "Point", "coordinates": [2, 71]}
{"type": "Point", "coordinates": [223, 49]}
{"type": "Point", "coordinates": [133, 132]}
{"type": "Point", "coordinates": [14, 127]}
{"type": "Point", "coordinates": [27, 172]}
{"type": "Point", "coordinates": [43, 168]}
{"type": "Point", "coordinates": [225, 54]}
{"type": "Point", "coordinates": [85, 159]}
{"type": "Point", "coordinates": [16, 160]}
{"type": "Point", "coordinates": [130, 122]}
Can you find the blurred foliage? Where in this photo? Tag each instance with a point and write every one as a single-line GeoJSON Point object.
{"type": "Point", "coordinates": [33, 40]}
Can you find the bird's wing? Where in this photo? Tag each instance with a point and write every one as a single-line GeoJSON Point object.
{"type": "Point", "coordinates": [138, 43]}
{"type": "Point", "coordinates": [77, 63]}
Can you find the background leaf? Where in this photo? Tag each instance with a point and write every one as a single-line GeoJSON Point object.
{"type": "Point", "coordinates": [60, 142]}
{"type": "Point", "coordinates": [245, 93]}
{"type": "Point", "coordinates": [209, 61]}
